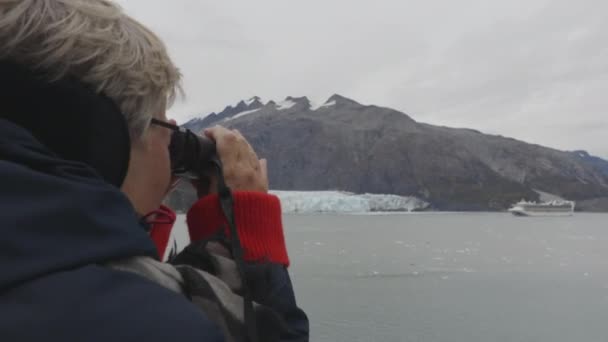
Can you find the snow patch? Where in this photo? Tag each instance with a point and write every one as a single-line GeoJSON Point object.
{"type": "Point", "coordinates": [251, 101]}
{"type": "Point", "coordinates": [247, 112]}
{"type": "Point", "coordinates": [285, 104]}
{"type": "Point", "coordinates": [326, 104]}
{"type": "Point", "coordinates": [313, 105]}
{"type": "Point", "coordinates": [344, 202]}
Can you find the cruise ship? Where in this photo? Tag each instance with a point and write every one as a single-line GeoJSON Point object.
{"type": "Point", "coordinates": [552, 208]}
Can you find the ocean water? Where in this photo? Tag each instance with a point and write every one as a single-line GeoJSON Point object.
{"type": "Point", "coordinates": [451, 276]}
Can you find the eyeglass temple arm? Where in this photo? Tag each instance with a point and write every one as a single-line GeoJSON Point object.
{"type": "Point", "coordinates": [165, 124]}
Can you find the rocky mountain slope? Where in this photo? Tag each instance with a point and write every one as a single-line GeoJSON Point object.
{"type": "Point", "coordinates": [344, 145]}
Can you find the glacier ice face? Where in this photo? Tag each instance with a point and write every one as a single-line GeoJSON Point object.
{"type": "Point", "coordinates": [394, 203]}
{"type": "Point", "coordinates": [344, 202]}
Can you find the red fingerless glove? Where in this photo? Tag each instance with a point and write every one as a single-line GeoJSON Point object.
{"type": "Point", "coordinates": [258, 219]}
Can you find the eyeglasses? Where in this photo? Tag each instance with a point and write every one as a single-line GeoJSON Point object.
{"type": "Point", "coordinates": [165, 124]}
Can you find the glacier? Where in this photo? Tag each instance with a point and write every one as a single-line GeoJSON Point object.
{"type": "Point", "coordinates": [345, 202]}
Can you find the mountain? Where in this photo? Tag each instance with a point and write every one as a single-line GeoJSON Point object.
{"type": "Point", "coordinates": [344, 145]}
{"type": "Point", "coordinates": [599, 163]}
{"type": "Point", "coordinates": [198, 124]}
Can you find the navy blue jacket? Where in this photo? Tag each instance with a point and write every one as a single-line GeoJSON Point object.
{"type": "Point", "coordinates": [58, 222]}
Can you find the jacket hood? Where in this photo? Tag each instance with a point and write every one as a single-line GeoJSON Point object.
{"type": "Point", "coordinates": [58, 214]}
{"type": "Point", "coordinates": [68, 117]}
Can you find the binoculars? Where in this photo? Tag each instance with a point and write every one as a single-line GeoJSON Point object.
{"type": "Point", "coordinates": [192, 155]}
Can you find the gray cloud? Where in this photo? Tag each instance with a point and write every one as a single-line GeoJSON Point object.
{"type": "Point", "coordinates": [536, 70]}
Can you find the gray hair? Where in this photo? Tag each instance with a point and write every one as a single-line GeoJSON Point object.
{"type": "Point", "coordinates": [97, 43]}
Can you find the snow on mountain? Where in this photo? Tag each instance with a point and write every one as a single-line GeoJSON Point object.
{"type": "Point", "coordinates": [253, 100]}
{"type": "Point", "coordinates": [285, 104]}
{"type": "Point", "coordinates": [252, 105]}
{"type": "Point", "coordinates": [243, 113]}
{"type": "Point", "coordinates": [344, 202]}
{"type": "Point", "coordinates": [326, 104]}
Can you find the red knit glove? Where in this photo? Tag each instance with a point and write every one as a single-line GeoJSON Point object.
{"type": "Point", "coordinates": [258, 220]}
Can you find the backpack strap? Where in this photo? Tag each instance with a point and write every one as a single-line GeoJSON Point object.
{"type": "Point", "coordinates": [215, 288]}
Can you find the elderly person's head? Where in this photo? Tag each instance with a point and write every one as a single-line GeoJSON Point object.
{"type": "Point", "coordinates": [94, 42]}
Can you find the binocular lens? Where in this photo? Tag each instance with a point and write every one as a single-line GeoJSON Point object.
{"type": "Point", "coordinates": [191, 154]}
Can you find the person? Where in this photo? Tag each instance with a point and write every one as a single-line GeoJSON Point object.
{"type": "Point", "coordinates": [83, 172]}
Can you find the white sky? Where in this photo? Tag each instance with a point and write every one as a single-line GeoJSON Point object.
{"type": "Point", "coordinates": [535, 70]}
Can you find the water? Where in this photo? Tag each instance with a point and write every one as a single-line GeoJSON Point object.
{"type": "Point", "coordinates": [451, 277]}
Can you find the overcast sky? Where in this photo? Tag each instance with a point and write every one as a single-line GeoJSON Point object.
{"type": "Point", "coordinates": [535, 70]}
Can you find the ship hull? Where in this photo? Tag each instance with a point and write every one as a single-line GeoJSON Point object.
{"type": "Point", "coordinates": [519, 212]}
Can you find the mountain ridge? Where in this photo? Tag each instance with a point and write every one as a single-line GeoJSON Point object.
{"type": "Point", "coordinates": [344, 145]}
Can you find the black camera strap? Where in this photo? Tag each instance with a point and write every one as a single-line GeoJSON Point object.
{"type": "Point", "coordinates": [227, 204]}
